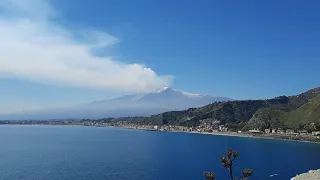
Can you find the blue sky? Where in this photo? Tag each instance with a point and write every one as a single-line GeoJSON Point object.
{"type": "Point", "coordinates": [239, 49]}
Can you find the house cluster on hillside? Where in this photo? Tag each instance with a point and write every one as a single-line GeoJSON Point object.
{"type": "Point", "coordinates": [209, 125]}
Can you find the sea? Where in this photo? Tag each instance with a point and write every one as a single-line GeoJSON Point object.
{"type": "Point", "coordinates": [38, 152]}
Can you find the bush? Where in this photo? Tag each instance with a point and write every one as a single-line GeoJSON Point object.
{"type": "Point", "coordinates": [227, 162]}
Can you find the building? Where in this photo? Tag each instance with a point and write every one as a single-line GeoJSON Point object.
{"type": "Point", "coordinates": [254, 131]}
{"type": "Point", "coordinates": [303, 132]}
{"type": "Point", "coordinates": [280, 131]}
{"type": "Point", "coordinates": [316, 133]}
{"type": "Point", "coordinates": [267, 131]}
{"type": "Point", "coordinates": [290, 131]}
{"type": "Point", "coordinates": [223, 128]}
{"type": "Point", "coordinates": [274, 131]}
{"type": "Point", "coordinates": [191, 129]}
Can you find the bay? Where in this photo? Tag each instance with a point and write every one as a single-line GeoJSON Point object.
{"type": "Point", "coordinates": [105, 153]}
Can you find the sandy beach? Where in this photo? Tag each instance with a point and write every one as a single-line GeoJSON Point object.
{"type": "Point", "coordinates": [243, 135]}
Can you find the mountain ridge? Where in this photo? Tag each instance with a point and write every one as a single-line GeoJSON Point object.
{"type": "Point", "coordinates": [141, 104]}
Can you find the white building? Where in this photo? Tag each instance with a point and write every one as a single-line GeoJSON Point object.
{"type": "Point", "coordinates": [267, 131]}
{"type": "Point", "coordinates": [316, 133]}
{"type": "Point", "coordinates": [223, 128]}
{"type": "Point", "coordinates": [290, 131]}
{"type": "Point", "coordinates": [303, 132]}
{"type": "Point", "coordinates": [254, 131]}
{"type": "Point", "coordinates": [280, 131]}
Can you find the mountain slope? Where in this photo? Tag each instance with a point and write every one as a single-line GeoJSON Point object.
{"type": "Point", "coordinates": [267, 118]}
{"type": "Point", "coordinates": [161, 100]}
{"type": "Point", "coordinates": [306, 114]}
{"type": "Point", "coordinates": [300, 110]}
{"type": "Point", "coordinates": [282, 111]}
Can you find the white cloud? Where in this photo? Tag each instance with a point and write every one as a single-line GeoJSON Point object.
{"type": "Point", "coordinates": [35, 48]}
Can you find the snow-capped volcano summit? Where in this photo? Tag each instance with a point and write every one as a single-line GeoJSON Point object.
{"type": "Point", "coordinates": [165, 94]}
{"type": "Point", "coordinates": [161, 90]}
{"type": "Point", "coordinates": [190, 95]}
{"type": "Point", "coordinates": [142, 104]}
{"type": "Point", "coordinates": [169, 94]}
{"type": "Point", "coordinates": [157, 101]}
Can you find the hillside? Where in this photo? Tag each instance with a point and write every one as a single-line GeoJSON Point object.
{"type": "Point", "coordinates": [306, 114]}
{"type": "Point", "coordinates": [283, 111]}
{"type": "Point", "coordinates": [298, 113]}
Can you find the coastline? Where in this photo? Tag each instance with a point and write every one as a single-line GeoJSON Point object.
{"type": "Point", "coordinates": [227, 133]}
{"type": "Point", "coordinates": [243, 135]}
{"type": "Point", "coordinates": [230, 134]}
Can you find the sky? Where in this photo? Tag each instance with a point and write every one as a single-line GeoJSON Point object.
{"type": "Point", "coordinates": [60, 53]}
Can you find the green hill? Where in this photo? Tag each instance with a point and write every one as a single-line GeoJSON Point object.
{"type": "Point", "coordinates": [305, 115]}
{"type": "Point", "coordinates": [267, 118]}
{"type": "Point", "coordinates": [300, 112]}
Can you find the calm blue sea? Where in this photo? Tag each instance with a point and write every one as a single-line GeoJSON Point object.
{"type": "Point", "coordinates": [93, 153]}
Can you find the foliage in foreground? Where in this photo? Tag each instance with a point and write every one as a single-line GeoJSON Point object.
{"type": "Point", "coordinates": [227, 162]}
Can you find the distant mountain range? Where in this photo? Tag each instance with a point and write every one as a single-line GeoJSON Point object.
{"type": "Point", "coordinates": [161, 100]}
{"type": "Point", "coordinates": [297, 112]}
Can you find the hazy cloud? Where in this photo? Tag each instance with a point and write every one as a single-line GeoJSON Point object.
{"type": "Point", "coordinates": [35, 48]}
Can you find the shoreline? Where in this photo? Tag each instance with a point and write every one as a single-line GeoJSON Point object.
{"type": "Point", "coordinates": [230, 134]}
{"type": "Point", "coordinates": [243, 135]}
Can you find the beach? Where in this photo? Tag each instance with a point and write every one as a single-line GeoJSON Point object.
{"type": "Point", "coordinates": [248, 135]}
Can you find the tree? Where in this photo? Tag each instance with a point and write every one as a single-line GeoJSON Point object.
{"type": "Point", "coordinates": [227, 162]}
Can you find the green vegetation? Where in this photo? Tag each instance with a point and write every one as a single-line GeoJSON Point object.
{"type": "Point", "coordinates": [293, 115]}
{"type": "Point", "coordinates": [227, 162]}
{"type": "Point", "coordinates": [295, 112]}
{"type": "Point", "coordinates": [307, 115]}
{"type": "Point", "coordinates": [266, 118]}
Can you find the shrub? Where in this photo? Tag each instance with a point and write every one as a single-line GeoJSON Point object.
{"type": "Point", "coordinates": [227, 162]}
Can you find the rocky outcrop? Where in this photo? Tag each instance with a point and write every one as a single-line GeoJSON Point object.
{"type": "Point", "coordinates": [311, 175]}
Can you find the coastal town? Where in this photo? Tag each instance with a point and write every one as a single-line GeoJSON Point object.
{"type": "Point", "coordinates": [203, 128]}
